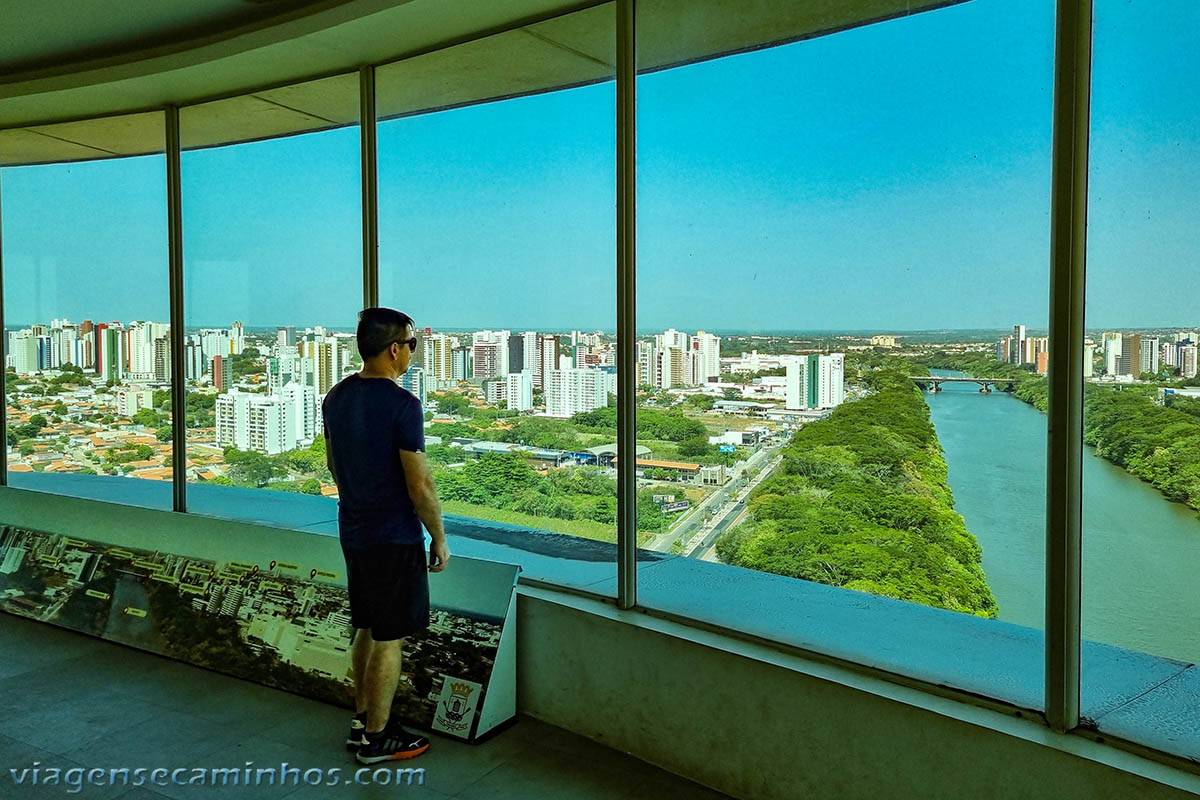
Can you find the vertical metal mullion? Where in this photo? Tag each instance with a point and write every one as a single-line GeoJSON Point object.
{"type": "Point", "coordinates": [3, 368]}
{"type": "Point", "coordinates": [1064, 439]}
{"type": "Point", "coordinates": [175, 270]}
{"type": "Point", "coordinates": [626, 305]}
{"type": "Point", "coordinates": [370, 186]}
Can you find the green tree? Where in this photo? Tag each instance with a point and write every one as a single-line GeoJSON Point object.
{"type": "Point", "coordinates": [26, 448]}
{"type": "Point", "coordinates": [164, 433]}
{"type": "Point", "coordinates": [695, 447]}
{"type": "Point", "coordinates": [311, 486]}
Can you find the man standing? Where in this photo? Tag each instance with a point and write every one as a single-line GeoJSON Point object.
{"type": "Point", "coordinates": [375, 448]}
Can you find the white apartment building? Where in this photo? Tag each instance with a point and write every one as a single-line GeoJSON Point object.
{"type": "Point", "coordinates": [796, 392]}
{"type": "Point", "coordinates": [814, 381]}
{"type": "Point", "coordinates": [518, 390]}
{"type": "Point", "coordinates": [707, 348]}
{"type": "Point", "coordinates": [130, 401]}
{"type": "Point", "coordinates": [23, 351]}
{"type": "Point", "coordinates": [832, 389]}
{"type": "Point", "coordinates": [302, 412]}
{"type": "Point", "coordinates": [573, 391]}
{"type": "Point", "coordinates": [547, 359]}
{"type": "Point", "coordinates": [237, 339]}
{"type": "Point", "coordinates": [268, 424]}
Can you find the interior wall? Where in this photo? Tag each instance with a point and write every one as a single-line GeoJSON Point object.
{"type": "Point", "coordinates": [755, 729]}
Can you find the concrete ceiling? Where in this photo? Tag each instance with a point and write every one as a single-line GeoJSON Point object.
{"type": "Point", "coordinates": [434, 54]}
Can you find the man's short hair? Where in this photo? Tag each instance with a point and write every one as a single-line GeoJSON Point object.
{"type": "Point", "coordinates": [378, 328]}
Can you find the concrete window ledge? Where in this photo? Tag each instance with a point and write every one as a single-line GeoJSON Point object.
{"type": "Point", "coordinates": [757, 722]}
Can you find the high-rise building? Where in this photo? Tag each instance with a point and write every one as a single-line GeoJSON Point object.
{"type": "Point", "coordinates": [494, 390]}
{"type": "Point", "coordinates": [162, 360]}
{"type": "Point", "coordinates": [707, 348]}
{"type": "Point", "coordinates": [327, 360]}
{"type": "Point", "coordinates": [1187, 361]}
{"type": "Point", "coordinates": [1110, 348]}
{"type": "Point", "coordinates": [519, 390]}
{"type": "Point", "coordinates": [516, 353]}
{"type": "Point", "coordinates": [436, 357]}
{"type": "Point", "coordinates": [671, 365]}
{"type": "Point", "coordinates": [194, 365]}
{"type": "Point", "coordinates": [1129, 360]}
{"type": "Point", "coordinates": [266, 424]}
{"type": "Point", "coordinates": [488, 355]}
{"type": "Point", "coordinates": [285, 337]}
{"type": "Point", "coordinates": [1018, 336]}
{"type": "Point", "coordinates": [647, 369]}
{"type": "Point", "coordinates": [23, 352]}
{"type": "Point", "coordinates": [112, 348]}
{"type": "Point", "coordinates": [414, 380]}
{"type": "Point", "coordinates": [814, 381]}
{"type": "Point", "coordinates": [547, 359]}
{"type": "Point", "coordinates": [461, 363]}
{"type": "Point", "coordinates": [130, 401]}
{"type": "Point", "coordinates": [1148, 354]}
{"type": "Point", "coordinates": [574, 391]}
{"type": "Point", "coordinates": [1089, 356]}
{"type": "Point", "coordinates": [531, 354]}
{"type": "Point", "coordinates": [832, 380]}
{"type": "Point", "coordinates": [222, 373]}
{"type": "Point", "coordinates": [215, 342]}
{"type": "Point", "coordinates": [796, 383]}
{"type": "Point", "coordinates": [237, 339]}
{"type": "Point", "coordinates": [301, 413]}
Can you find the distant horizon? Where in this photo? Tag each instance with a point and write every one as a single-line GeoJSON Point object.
{"type": "Point", "coordinates": [809, 333]}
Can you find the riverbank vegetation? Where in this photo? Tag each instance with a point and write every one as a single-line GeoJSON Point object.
{"type": "Point", "coordinates": [861, 501]}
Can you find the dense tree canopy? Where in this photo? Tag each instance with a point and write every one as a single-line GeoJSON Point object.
{"type": "Point", "coordinates": [861, 501]}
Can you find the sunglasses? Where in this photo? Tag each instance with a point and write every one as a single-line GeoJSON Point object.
{"type": "Point", "coordinates": [412, 343]}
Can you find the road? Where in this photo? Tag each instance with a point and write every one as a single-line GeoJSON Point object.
{"type": "Point", "coordinates": [732, 512]}
{"type": "Point", "coordinates": [724, 500]}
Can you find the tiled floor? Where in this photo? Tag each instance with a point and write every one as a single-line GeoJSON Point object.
{"type": "Point", "coordinates": [70, 701]}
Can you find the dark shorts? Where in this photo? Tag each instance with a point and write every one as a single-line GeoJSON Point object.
{"type": "Point", "coordinates": [389, 589]}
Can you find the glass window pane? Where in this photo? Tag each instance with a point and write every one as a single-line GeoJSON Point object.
{"type": "Point", "coordinates": [819, 223]}
{"type": "Point", "coordinates": [86, 309]}
{"type": "Point", "coordinates": [1141, 466]}
{"type": "Point", "coordinates": [497, 217]}
{"type": "Point", "coordinates": [272, 288]}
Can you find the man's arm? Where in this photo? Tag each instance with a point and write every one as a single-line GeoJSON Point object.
{"type": "Point", "coordinates": [329, 459]}
{"type": "Point", "coordinates": [419, 480]}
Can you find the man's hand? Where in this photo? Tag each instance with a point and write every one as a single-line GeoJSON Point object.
{"type": "Point", "coordinates": [439, 555]}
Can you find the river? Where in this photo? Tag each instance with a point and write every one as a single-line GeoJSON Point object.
{"type": "Point", "coordinates": [1140, 552]}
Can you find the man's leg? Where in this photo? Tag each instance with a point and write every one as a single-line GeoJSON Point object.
{"type": "Point", "coordinates": [382, 673]}
{"type": "Point", "coordinates": [361, 654]}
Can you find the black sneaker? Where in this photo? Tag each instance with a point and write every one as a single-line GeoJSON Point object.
{"type": "Point", "coordinates": [391, 744]}
{"type": "Point", "coordinates": [358, 732]}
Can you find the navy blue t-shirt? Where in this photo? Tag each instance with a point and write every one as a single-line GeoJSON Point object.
{"type": "Point", "coordinates": [367, 422]}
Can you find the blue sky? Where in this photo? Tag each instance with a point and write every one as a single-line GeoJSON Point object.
{"type": "Point", "coordinates": [891, 177]}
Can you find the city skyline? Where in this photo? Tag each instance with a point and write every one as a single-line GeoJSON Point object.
{"type": "Point", "coordinates": [852, 178]}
